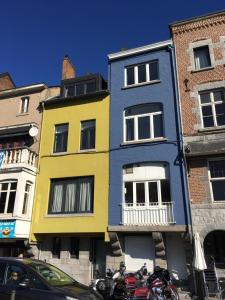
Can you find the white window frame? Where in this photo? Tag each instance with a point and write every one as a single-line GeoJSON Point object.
{"type": "Point", "coordinates": [28, 194]}
{"type": "Point", "coordinates": [146, 204]}
{"type": "Point", "coordinates": [24, 105]}
{"type": "Point", "coordinates": [136, 79]}
{"type": "Point", "coordinates": [135, 117]}
{"type": "Point", "coordinates": [214, 179]}
{"type": "Point", "coordinates": [8, 193]}
{"type": "Point", "coordinates": [212, 103]}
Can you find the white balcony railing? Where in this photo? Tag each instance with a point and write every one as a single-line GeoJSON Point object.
{"type": "Point", "coordinates": [18, 157]}
{"type": "Point", "coordinates": [153, 214]}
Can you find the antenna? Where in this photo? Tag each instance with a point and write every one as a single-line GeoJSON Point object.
{"type": "Point", "coordinates": [33, 131]}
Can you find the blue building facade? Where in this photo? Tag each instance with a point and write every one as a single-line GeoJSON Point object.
{"type": "Point", "coordinates": [148, 209]}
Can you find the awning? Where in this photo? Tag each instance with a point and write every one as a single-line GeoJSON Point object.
{"type": "Point", "coordinates": [18, 130]}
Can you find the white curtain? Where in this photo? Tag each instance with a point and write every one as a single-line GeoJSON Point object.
{"type": "Point", "coordinates": [84, 200]}
{"type": "Point", "coordinates": [57, 198]}
{"type": "Point", "coordinates": [70, 197]}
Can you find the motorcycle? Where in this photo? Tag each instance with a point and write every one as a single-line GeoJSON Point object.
{"type": "Point", "coordinates": [161, 286]}
{"type": "Point", "coordinates": [102, 284]}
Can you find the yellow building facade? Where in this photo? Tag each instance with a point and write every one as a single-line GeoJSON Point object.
{"type": "Point", "coordinates": [70, 214]}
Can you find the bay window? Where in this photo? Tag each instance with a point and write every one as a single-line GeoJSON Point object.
{"type": "Point", "coordinates": [143, 122]}
{"type": "Point", "coordinates": [73, 195]}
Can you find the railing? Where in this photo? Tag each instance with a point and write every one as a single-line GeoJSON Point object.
{"type": "Point", "coordinates": [151, 214]}
{"type": "Point", "coordinates": [18, 156]}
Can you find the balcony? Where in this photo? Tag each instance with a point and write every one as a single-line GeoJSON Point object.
{"type": "Point", "coordinates": [145, 215]}
{"type": "Point", "coordinates": [19, 157]}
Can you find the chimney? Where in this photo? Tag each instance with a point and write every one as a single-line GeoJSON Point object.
{"type": "Point", "coordinates": [68, 70]}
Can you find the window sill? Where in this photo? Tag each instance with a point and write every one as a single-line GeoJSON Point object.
{"type": "Point", "coordinates": [144, 141]}
{"type": "Point", "coordinates": [140, 84]}
{"type": "Point", "coordinates": [203, 69]}
{"type": "Point", "coordinates": [22, 114]}
{"type": "Point", "coordinates": [59, 153]}
{"type": "Point", "coordinates": [212, 129]}
{"type": "Point", "coordinates": [87, 151]}
{"type": "Point", "coordinates": [69, 215]}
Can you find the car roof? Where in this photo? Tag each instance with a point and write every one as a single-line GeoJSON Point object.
{"type": "Point", "coordinates": [17, 259]}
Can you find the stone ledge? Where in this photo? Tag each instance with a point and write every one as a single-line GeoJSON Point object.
{"type": "Point", "coordinates": [134, 228]}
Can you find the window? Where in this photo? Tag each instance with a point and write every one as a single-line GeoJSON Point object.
{"type": "Point", "coordinates": [26, 197]}
{"type": "Point", "coordinates": [24, 105]}
{"type": "Point", "coordinates": [2, 272]}
{"type": "Point", "coordinates": [74, 247]}
{"type": "Point", "coordinates": [61, 136]}
{"type": "Point", "coordinates": [80, 88]}
{"type": "Point", "coordinates": [56, 247]}
{"type": "Point", "coordinates": [143, 122]}
{"type": "Point", "coordinates": [217, 179]}
{"type": "Point", "coordinates": [212, 108]}
{"type": "Point", "coordinates": [202, 57]}
{"type": "Point", "coordinates": [74, 195]}
{"type": "Point", "coordinates": [7, 196]}
{"type": "Point", "coordinates": [145, 189]}
{"type": "Point", "coordinates": [142, 73]}
{"type": "Point", "coordinates": [87, 135]}
{"type": "Point", "coordinates": [16, 275]}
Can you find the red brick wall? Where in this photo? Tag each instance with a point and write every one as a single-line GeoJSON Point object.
{"type": "Point", "coordinates": [184, 34]}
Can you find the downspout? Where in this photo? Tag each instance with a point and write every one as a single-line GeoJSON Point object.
{"type": "Point", "coordinates": [180, 140]}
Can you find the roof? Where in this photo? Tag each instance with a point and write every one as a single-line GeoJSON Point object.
{"type": "Point", "coordinates": [139, 50]}
{"type": "Point", "coordinates": [23, 90]}
{"type": "Point", "coordinates": [198, 18]}
{"type": "Point", "coordinates": [68, 100]}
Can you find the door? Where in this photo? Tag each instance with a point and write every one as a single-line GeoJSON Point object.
{"type": "Point", "coordinates": [139, 250]}
{"type": "Point", "coordinates": [99, 259]}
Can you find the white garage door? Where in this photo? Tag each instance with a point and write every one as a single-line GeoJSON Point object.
{"type": "Point", "coordinates": [139, 250]}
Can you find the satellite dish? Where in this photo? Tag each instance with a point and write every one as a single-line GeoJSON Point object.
{"type": "Point", "coordinates": [33, 131]}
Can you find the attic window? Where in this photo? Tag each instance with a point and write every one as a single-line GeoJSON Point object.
{"type": "Point", "coordinates": [80, 88]}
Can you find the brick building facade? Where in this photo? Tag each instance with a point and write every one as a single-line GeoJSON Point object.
{"type": "Point", "coordinates": [200, 54]}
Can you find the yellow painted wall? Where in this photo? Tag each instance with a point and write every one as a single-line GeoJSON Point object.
{"type": "Point", "coordinates": [73, 163]}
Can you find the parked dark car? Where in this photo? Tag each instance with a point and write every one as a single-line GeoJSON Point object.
{"type": "Point", "coordinates": [30, 279]}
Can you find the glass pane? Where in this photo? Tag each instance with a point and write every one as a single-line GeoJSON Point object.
{"type": "Point", "coordinates": [13, 185]}
{"type": "Point", "coordinates": [25, 201]}
{"type": "Point", "coordinates": [143, 109]}
{"type": "Point", "coordinates": [2, 272]}
{"type": "Point", "coordinates": [129, 192]}
{"type": "Point", "coordinates": [165, 190]}
{"type": "Point", "coordinates": [15, 275]}
{"type": "Point", "coordinates": [202, 57]}
{"type": "Point", "coordinates": [158, 125]}
{"type": "Point", "coordinates": [129, 129]}
{"type": "Point", "coordinates": [70, 91]}
{"type": "Point", "coordinates": [143, 128]}
{"type": "Point", "coordinates": [217, 168]}
{"type": "Point", "coordinates": [87, 135]}
{"type": "Point", "coordinates": [207, 116]}
{"type": "Point", "coordinates": [4, 186]}
{"type": "Point", "coordinates": [79, 89]}
{"type": "Point", "coordinates": [220, 114]}
{"type": "Point", "coordinates": [140, 193]}
{"type": "Point", "coordinates": [154, 70]}
{"type": "Point", "coordinates": [218, 95]}
{"type": "Point", "coordinates": [27, 188]}
{"type": "Point", "coordinates": [11, 202]}
{"type": "Point", "coordinates": [153, 192]}
{"type": "Point", "coordinates": [61, 137]}
{"type": "Point", "coordinates": [130, 75]}
{"type": "Point", "coordinates": [90, 87]}
{"type": "Point", "coordinates": [218, 190]}
{"type": "Point", "coordinates": [56, 197]}
{"type": "Point", "coordinates": [205, 98]}
{"type": "Point", "coordinates": [2, 201]}
{"type": "Point", "coordinates": [141, 73]}
{"type": "Point", "coordinates": [74, 247]}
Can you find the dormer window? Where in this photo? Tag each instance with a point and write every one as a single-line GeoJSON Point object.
{"type": "Point", "coordinates": [80, 88]}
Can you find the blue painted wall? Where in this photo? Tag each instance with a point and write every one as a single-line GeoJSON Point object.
{"type": "Point", "coordinates": [166, 151]}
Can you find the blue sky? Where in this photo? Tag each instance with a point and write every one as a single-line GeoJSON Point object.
{"type": "Point", "coordinates": [35, 35]}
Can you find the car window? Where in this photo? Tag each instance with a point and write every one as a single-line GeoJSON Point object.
{"type": "Point", "coordinates": [16, 276]}
{"type": "Point", "coordinates": [51, 274]}
{"type": "Point", "coordinates": [37, 283]}
{"type": "Point", "coordinates": [2, 272]}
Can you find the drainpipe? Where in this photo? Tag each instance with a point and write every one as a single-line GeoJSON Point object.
{"type": "Point", "coordinates": [181, 150]}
